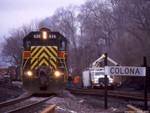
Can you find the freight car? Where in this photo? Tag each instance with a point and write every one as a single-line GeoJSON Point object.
{"type": "Point", "coordinates": [44, 67]}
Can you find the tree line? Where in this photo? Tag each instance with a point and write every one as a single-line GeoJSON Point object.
{"type": "Point", "coordinates": [119, 27]}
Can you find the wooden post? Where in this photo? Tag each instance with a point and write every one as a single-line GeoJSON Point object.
{"type": "Point", "coordinates": [145, 84]}
{"type": "Point", "coordinates": [106, 81]}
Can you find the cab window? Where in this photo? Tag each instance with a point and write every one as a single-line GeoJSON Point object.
{"type": "Point", "coordinates": [63, 45]}
{"type": "Point", "coordinates": [99, 73]}
{"type": "Point", "coordinates": [28, 45]}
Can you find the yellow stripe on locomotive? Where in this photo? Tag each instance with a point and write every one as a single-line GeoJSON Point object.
{"type": "Point", "coordinates": [44, 55]}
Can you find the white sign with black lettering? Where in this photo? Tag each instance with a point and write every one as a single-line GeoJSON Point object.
{"type": "Point", "coordinates": [125, 71]}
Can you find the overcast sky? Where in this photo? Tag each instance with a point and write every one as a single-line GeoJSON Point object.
{"type": "Point", "coordinates": [15, 13]}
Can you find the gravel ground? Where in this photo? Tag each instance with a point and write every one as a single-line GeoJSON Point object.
{"type": "Point", "coordinates": [69, 103]}
{"type": "Point", "coordinates": [9, 91]}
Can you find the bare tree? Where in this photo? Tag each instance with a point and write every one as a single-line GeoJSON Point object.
{"type": "Point", "coordinates": [12, 45]}
{"type": "Point", "coordinates": [96, 28]}
{"type": "Point", "coordinates": [132, 23]}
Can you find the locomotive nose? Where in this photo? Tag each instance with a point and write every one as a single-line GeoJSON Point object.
{"type": "Point", "coordinates": [44, 73]}
{"type": "Point", "coordinates": [44, 70]}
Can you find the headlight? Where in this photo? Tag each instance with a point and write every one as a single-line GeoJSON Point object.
{"type": "Point", "coordinates": [95, 81]}
{"type": "Point", "coordinates": [44, 35]}
{"type": "Point", "coordinates": [29, 73]}
{"type": "Point", "coordinates": [57, 73]}
{"type": "Point", "coordinates": [111, 81]}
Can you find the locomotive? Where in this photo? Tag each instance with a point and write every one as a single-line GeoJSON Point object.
{"type": "Point", "coordinates": [44, 62]}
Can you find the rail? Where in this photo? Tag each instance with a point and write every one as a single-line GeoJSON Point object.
{"type": "Point", "coordinates": [13, 101]}
{"type": "Point", "coordinates": [131, 95]}
{"type": "Point", "coordinates": [27, 107]}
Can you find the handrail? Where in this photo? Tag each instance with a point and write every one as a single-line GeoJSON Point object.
{"type": "Point", "coordinates": [65, 65]}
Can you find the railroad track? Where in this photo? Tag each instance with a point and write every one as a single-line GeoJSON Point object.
{"type": "Point", "coordinates": [123, 94]}
{"type": "Point", "coordinates": [13, 101]}
{"type": "Point", "coordinates": [27, 104]}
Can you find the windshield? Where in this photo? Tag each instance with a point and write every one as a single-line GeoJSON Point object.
{"type": "Point", "coordinates": [99, 73]}
{"type": "Point", "coordinates": [101, 79]}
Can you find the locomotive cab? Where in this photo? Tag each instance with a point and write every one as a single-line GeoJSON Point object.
{"type": "Point", "coordinates": [44, 67]}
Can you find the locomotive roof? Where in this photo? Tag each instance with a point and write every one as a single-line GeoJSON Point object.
{"type": "Point", "coordinates": [30, 36]}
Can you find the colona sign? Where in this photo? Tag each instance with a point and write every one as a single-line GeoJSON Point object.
{"type": "Point", "coordinates": [125, 71]}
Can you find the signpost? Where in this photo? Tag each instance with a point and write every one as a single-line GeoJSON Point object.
{"type": "Point", "coordinates": [130, 71]}
{"type": "Point", "coordinates": [106, 85]}
{"type": "Point", "coordinates": [145, 84]}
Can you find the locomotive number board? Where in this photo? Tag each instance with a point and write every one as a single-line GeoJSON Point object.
{"type": "Point", "coordinates": [51, 36]}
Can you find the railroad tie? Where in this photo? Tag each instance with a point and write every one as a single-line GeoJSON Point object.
{"type": "Point", "coordinates": [132, 108]}
{"type": "Point", "coordinates": [50, 109]}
